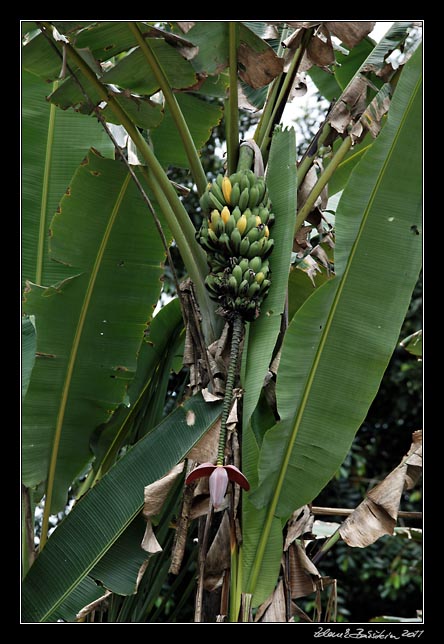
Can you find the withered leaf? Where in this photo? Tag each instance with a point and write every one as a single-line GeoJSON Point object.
{"type": "Point", "coordinates": [217, 560]}
{"type": "Point", "coordinates": [378, 513]}
{"type": "Point", "coordinates": [185, 25]}
{"type": "Point", "coordinates": [92, 606]}
{"type": "Point", "coordinates": [302, 573]}
{"type": "Point", "coordinates": [301, 241]}
{"type": "Point", "coordinates": [149, 541]}
{"type": "Point", "coordinates": [372, 116]}
{"type": "Point", "coordinates": [350, 33]}
{"type": "Point", "coordinates": [300, 523]}
{"type": "Point", "coordinates": [258, 68]}
{"type": "Point", "coordinates": [273, 609]}
{"type": "Point", "coordinates": [350, 106]}
{"type": "Point", "coordinates": [320, 50]}
{"type": "Point", "coordinates": [156, 493]}
{"type": "Point", "coordinates": [205, 451]}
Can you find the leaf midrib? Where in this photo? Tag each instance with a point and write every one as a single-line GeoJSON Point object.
{"type": "Point", "coordinates": [337, 297]}
{"type": "Point", "coordinates": [311, 376]}
{"type": "Point", "coordinates": [73, 356]}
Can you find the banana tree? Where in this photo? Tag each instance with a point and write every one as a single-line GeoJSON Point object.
{"type": "Point", "coordinates": [285, 321]}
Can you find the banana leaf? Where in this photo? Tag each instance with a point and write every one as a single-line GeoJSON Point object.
{"type": "Point", "coordinates": [53, 145]}
{"type": "Point", "coordinates": [65, 565]}
{"type": "Point", "coordinates": [28, 351]}
{"type": "Point", "coordinates": [339, 342]}
{"type": "Point", "coordinates": [90, 325]}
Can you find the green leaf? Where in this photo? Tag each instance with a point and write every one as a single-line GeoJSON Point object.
{"type": "Point", "coordinates": [133, 415]}
{"type": "Point", "coordinates": [413, 343]}
{"type": "Point", "coordinates": [119, 568]}
{"type": "Point", "coordinates": [69, 94]}
{"type": "Point", "coordinates": [102, 515]}
{"type": "Point", "coordinates": [212, 40]}
{"type": "Point", "coordinates": [262, 336]}
{"type": "Point", "coordinates": [342, 173]}
{"type": "Point", "coordinates": [201, 118]}
{"type": "Point", "coordinates": [343, 336]}
{"type": "Point", "coordinates": [326, 83]}
{"type": "Point", "coordinates": [28, 351]}
{"type": "Point", "coordinates": [142, 111]}
{"type": "Point", "coordinates": [300, 288]}
{"type": "Point", "coordinates": [39, 58]}
{"type": "Point", "coordinates": [133, 72]}
{"type": "Point", "coordinates": [263, 333]}
{"type": "Point", "coordinates": [107, 238]}
{"type": "Point", "coordinates": [106, 39]}
{"type": "Point", "coordinates": [55, 144]}
{"type": "Point", "coordinates": [348, 64]}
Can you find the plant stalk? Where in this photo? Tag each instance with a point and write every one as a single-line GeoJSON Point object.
{"type": "Point", "coordinates": [231, 105]}
{"type": "Point", "coordinates": [311, 151]}
{"type": "Point", "coordinates": [322, 182]}
{"type": "Point", "coordinates": [238, 327]}
{"type": "Point", "coordinates": [182, 126]}
{"type": "Point", "coordinates": [44, 201]}
{"type": "Point", "coordinates": [284, 92]}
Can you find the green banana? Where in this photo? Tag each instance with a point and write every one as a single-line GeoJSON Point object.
{"type": "Point", "coordinates": [243, 199]}
{"type": "Point", "coordinates": [235, 194]}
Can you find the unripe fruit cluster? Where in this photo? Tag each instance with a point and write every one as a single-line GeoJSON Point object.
{"type": "Point", "coordinates": [235, 233]}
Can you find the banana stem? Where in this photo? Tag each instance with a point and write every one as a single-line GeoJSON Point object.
{"type": "Point", "coordinates": [238, 327]}
{"type": "Point", "coordinates": [231, 105]}
{"type": "Point", "coordinates": [322, 182]}
{"type": "Point", "coordinates": [182, 127]}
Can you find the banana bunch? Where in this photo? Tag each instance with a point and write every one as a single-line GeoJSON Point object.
{"type": "Point", "coordinates": [236, 236]}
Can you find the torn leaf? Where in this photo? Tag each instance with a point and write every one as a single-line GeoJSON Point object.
{"type": "Point", "coordinates": [302, 573]}
{"type": "Point", "coordinates": [309, 266]}
{"type": "Point", "coordinates": [300, 523]}
{"type": "Point", "coordinates": [378, 513]}
{"type": "Point", "coordinates": [258, 68]}
{"type": "Point", "coordinates": [372, 116]}
{"type": "Point", "coordinates": [273, 609]}
{"type": "Point", "coordinates": [156, 493]}
{"type": "Point", "coordinates": [350, 33]}
{"type": "Point", "coordinates": [185, 25]}
{"type": "Point", "coordinates": [350, 106]}
{"type": "Point", "coordinates": [320, 50]}
{"type": "Point", "coordinates": [149, 541]}
{"type": "Point", "coordinates": [206, 449]}
{"type": "Point", "coordinates": [217, 560]}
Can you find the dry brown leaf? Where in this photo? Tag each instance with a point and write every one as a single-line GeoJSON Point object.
{"type": "Point", "coordinates": [258, 68]}
{"type": "Point", "coordinates": [350, 33]}
{"type": "Point", "coordinates": [301, 239]}
{"type": "Point", "coordinates": [378, 513]}
{"type": "Point", "coordinates": [273, 609]}
{"type": "Point", "coordinates": [304, 24]}
{"type": "Point", "coordinates": [350, 106]}
{"type": "Point", "coordinates": [156, 493]}
{"type": "Point", "coordinates": [185, 25]}
{"type": "Point", "coordinates": [92, 606]}
{"type": "Point", "coordinates": [300, 523]}
{"type": "Point", "coordinates": [372, 116]}
{"type": "Point", "coordinates": [205, 451]}
{"type": "Point", "coordinates": [302, 573]}
{"type": "Point", "coordinates": [217, 560]}
{"type": "Point", "coordinates": [149, 541]}
{"type": "Point", "coordinates": [320, 50]}
{"type": "Point", "coordinates": [294, 40]}
{"type": "Point", "coordinates": [295, 610]}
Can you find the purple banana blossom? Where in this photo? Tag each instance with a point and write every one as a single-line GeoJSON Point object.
{"type": "Point", "coordinates": [219, 475]}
